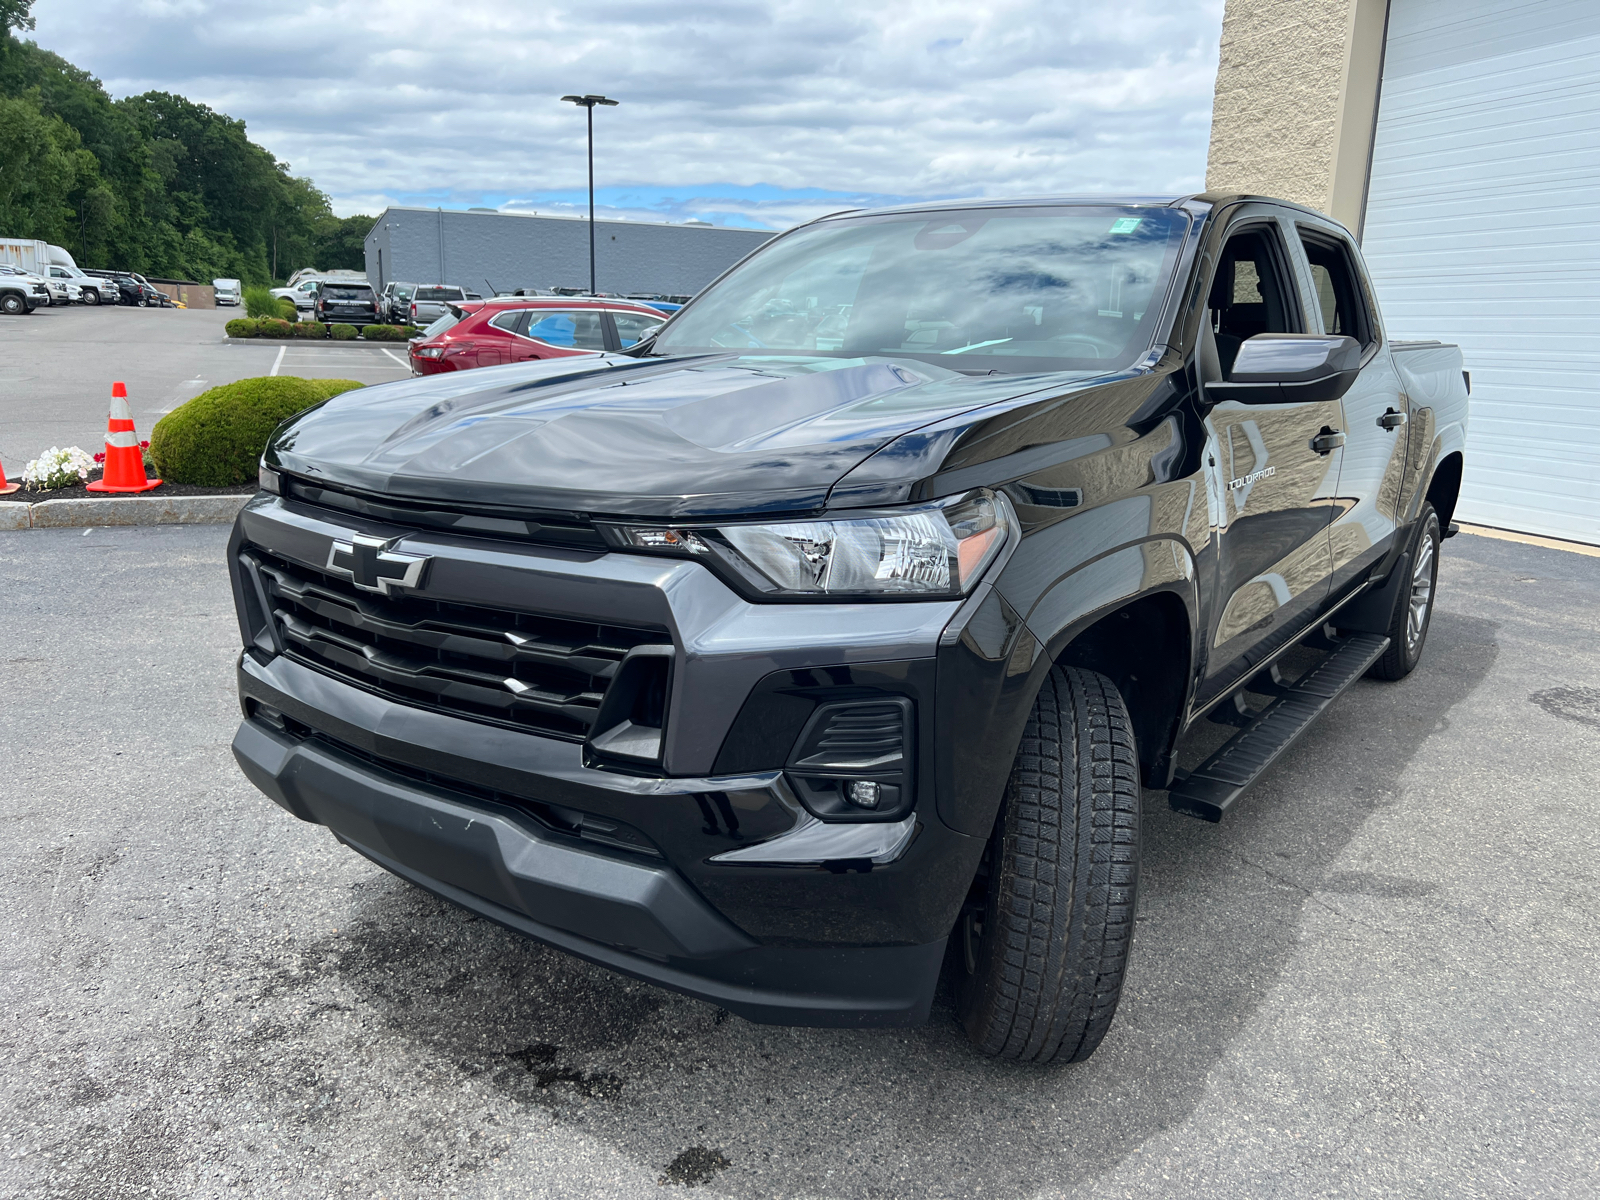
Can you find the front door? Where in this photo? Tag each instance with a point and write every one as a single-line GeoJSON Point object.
{"type": "Point", "coordinates": [1271, 489]}
{"type": "Point", "coordinates": [1375, 411]}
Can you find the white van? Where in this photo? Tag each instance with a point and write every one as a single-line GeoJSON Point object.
{"type": "Point", "coordinates": [228, 291]}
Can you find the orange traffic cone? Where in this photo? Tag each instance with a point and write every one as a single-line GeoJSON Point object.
{"type": "Point", "coordinates": [6, 488]}
{"type": "Point", "coordinates": [124, 471]}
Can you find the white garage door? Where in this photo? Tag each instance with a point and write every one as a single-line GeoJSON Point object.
{"type": "Point", "coordinates": [1483, 228]}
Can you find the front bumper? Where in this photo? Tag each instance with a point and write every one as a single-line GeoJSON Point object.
{"type": "Point", "coordinates": [849, 936]}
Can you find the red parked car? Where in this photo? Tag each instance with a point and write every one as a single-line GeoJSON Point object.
{"type": "Point", "coordinates": [522, 328]}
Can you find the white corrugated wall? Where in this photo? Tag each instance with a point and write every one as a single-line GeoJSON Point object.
{"type": "Point", "coordinates": [1483, 228]}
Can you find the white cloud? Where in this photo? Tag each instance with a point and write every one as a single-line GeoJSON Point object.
{"type": "Point", "coordinates": [754, 113]}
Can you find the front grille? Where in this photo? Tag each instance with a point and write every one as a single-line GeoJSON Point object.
{"type": "Point", "coordinates": [523, 670]}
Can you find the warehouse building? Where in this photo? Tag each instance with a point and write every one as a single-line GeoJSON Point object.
{"type": "Point", "coordinates": [1460, 140]}
{"type": "Point", "coordinates": [486, 251]}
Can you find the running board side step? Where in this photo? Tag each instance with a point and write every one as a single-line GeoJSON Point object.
{"type": "Point", "coordinates": [1213, 787]}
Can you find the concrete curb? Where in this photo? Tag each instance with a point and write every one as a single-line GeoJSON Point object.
{"type": "Point", "coordinates": [122, 510]}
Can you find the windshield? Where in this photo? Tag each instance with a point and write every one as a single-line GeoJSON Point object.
{"type": "Point", "coordinates": [1007, 289]}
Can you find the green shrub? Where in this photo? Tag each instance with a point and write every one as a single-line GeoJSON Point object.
{"type": "Point", "coordinates": [216, 439]}
{"type": "Point", "coordinates": [384, 333]}
{"type": "Point", "coordinates": [310, 329]}
{"type": "Point", "coordinates": [272, 327]}
{"type": "Point", "coordinates": [288, 311]}
{"type": "Point", "coordinates": [260, 302]}
{"type": "Point", "coordinates": [242, 327]}
{"type": "Point", "coordinates": [342, 333]}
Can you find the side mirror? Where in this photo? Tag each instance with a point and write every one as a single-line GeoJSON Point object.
{"type": "Point", "coordinates": [1288, 368]}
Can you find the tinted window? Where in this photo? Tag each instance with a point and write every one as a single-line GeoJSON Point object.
{"type": "Point", "coordinates": [346, 292]}
{"type": "Point", "coordinates": [1249, 293]}
{"type": "Point", "coordinates": [440, 293]}
{"type": "Point", "coordinates": [979, 289]}
{"type": "Point", "coordinates": [569, 330]}
{"type": "Point", "coordinates": [633, 326]}
{"type": "Point", "coordinates": [512, 321]}
{"type": "Point", "coordinates": [1338, 297]}
{"type": "Point", "coordinates": [440, 325]}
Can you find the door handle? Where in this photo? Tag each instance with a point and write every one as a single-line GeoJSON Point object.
{"type": "Point", "coordinates": [1391, 420]}
{"type": "Point", "coordinates": [1327, 441]}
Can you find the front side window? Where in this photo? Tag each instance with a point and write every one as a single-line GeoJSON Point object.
{"type": "Point", "coordinates": [1249, 294]}
{"type": "Point", "coordinates": [568, 330]}
{"type": "Point", "coordinates": [633, 326]}
{"type": "Point", "coordinates": [1006, 289]}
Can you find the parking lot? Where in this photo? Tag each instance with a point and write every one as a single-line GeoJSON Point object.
{"type": "Point", "coordinates": [59, 365]}
{"type": "Point", "coordinates": [1377, 978]}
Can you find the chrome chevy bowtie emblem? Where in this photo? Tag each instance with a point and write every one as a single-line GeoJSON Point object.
{"type": "Point", "coordinates": [372, 566]}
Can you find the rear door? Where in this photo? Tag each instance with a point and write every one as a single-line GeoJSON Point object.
{"type": "Point", "coordinates": [1271, 490]}
{"type": "Point", "coordinates": [1375, 411]}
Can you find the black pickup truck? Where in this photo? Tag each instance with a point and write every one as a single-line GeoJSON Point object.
{"type": "Point", "coordinates": [825, 640]}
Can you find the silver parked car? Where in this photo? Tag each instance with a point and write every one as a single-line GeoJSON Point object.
{"type": "Point", "coordinates": [432, 300]}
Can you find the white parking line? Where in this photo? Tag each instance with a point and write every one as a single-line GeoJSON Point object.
{"type": "Point", "coordinates": [277, 362]}
{"type": "Point", "coordinates": [396, 357]}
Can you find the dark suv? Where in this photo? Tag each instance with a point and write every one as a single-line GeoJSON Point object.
{"type": "Point", "coordinates": [824, 639]}
{"type": "Point", "coordinates": [344, 303]}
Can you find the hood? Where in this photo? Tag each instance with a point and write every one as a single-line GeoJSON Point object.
{"type": "Point", "coordinates": [703, 436]}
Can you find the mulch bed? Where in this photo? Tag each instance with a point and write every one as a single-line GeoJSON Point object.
{"type": "Point", "coordinates": [26, 495]}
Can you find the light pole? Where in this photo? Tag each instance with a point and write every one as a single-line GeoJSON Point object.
{"type": "Point", "coordinates": [589, 102]}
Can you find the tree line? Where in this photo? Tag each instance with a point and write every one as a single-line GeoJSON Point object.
{"type": "Point", "coordinates": [155, 183]}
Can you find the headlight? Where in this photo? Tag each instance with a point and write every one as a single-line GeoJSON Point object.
{"type": "Point", "coordinates": [931, 551]}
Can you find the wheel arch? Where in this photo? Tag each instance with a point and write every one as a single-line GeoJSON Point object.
{"type": "Point", "coordinates": [1444, 488]}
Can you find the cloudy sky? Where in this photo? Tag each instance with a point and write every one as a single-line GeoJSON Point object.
{"type": "Point", "coordinates": [760, 113]}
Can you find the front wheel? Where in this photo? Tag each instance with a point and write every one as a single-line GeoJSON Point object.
{"type": "Point", "coordinates": [1045, 953]}
{"type": "Point", "coordinates": [90, 296]}
{"type": "Point", "coordinates": [1413, 610]}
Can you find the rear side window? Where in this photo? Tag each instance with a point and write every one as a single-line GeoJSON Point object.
{"type": "Point", "coordinates": [569, 330]}
{"type": "Point", "coordinates": [511, 322]}
{"type": "Point", "coordinates": [1338, 294]}
{"type": "Point", "coordinates": [633, 326]}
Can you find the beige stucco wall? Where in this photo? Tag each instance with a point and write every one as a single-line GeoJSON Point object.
{"type": "Point", "coordinates": [1297, 88]}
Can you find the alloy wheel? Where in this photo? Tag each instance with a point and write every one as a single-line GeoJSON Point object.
{"type": "Point", "coordinates": [1421, 595]}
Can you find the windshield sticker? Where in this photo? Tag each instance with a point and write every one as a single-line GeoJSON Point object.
{"type": "Point", "coordinates": [1125, 224]}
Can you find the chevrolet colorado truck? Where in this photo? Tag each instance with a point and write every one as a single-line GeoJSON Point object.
{"type": "Point", "coordinates": [824, 640]}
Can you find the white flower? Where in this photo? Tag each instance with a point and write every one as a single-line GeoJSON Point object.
{"type": "Point", "coordinates": [58, 468]}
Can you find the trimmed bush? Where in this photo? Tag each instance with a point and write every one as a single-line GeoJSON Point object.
{"type": "Point", "coordinates": [216, 439]}
{"type": "Point", "coordinates": [342, 333]}
{"type": "Point", "coordinates": [272, 327]}
{"type": "Point", "coordinates": [310, 329]}
{"type": "Point", "coordinates": [384, 333]}
{"type": "Point", "coordinates": [288, 311]}
{"type": "Point", "coordinates": [260, 302]}
{"type": "Point", "coordinates": [242, 327]}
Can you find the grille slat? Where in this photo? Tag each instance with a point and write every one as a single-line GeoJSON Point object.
{"type": "Point", "coordinates": [526, 670]}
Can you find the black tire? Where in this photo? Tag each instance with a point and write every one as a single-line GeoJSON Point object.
{"type": "Point", "coordinates": [1042, 961]}
{"type": "Point", "coordinates": [12, 305]}
{"type": "Point", "coordinates": [1413, 606]}
{"type": "Point", "coordinates": [142, 302]}
{"type": "Point", "coordinates": [90, 297]}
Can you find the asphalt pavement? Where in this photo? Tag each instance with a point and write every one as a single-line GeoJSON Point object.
{"type": "Point", "coordinates": [1376, 978]}
{"type": "Point", "coordinates": [58, 365]}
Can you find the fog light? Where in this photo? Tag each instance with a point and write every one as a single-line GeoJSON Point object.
{"type": "Point", "coordinates": [863, 793]}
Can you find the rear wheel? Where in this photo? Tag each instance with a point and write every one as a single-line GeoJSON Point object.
{"type": "Point", "coordinates": [1413, 610]}
{"type": "Point", "coordinates": [1043, 956]}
